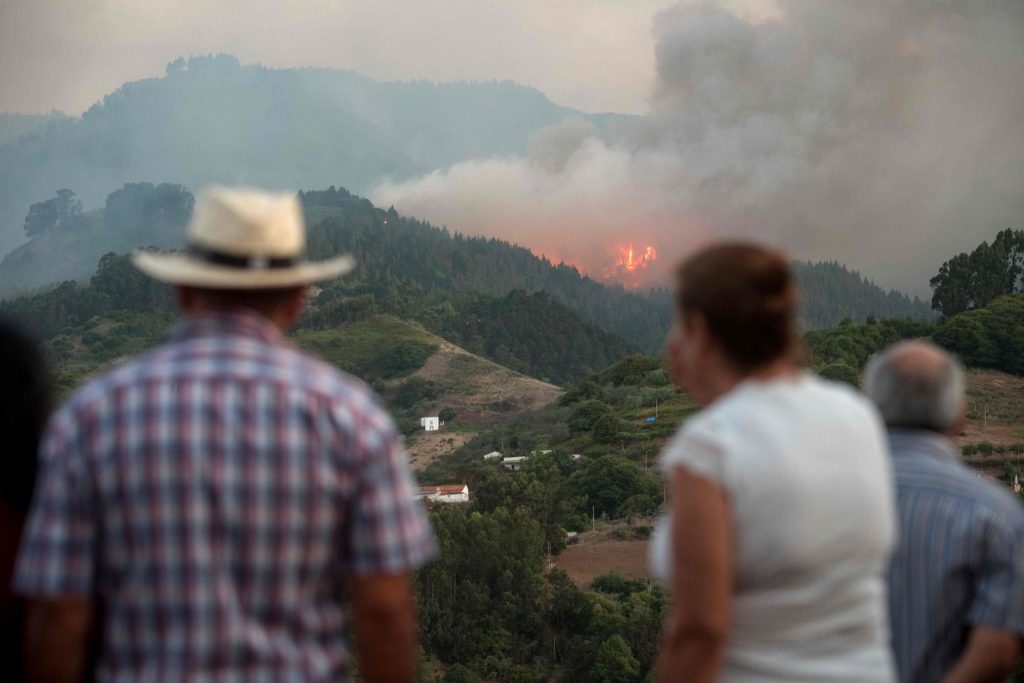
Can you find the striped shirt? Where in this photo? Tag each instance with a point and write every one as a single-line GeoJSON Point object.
{"type": "Point", "coordinates": [960, 558]}
{"type": "Point", "coordinates": [213, 495]}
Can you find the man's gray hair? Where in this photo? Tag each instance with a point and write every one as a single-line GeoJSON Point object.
{"type": "Point", "coordinates": [916, 385]}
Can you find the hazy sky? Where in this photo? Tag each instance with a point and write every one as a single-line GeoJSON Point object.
{"type": "Point", "coordinates": [595, 55]}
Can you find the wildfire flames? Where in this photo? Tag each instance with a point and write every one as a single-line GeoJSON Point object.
{"type": "Point", "coordinates": [627, 261]}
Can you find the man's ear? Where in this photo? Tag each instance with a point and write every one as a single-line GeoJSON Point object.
{"type": "Point", "coordinates": [698, 333]}
{"type": "Point", "coordinates": [296, 304]}
{"type": "Point", "coordinates": [186, 298]}
{"type": "Point", "coordinates": [961, 419]}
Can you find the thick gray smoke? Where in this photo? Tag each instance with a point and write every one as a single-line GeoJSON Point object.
{"type": "Point", "coordinates": [886, 134]}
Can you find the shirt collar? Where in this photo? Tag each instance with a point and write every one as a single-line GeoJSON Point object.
{"type": "Point", "coordinates": [238, 322]}
{"type": "Point", "coordinates": [914, 441]}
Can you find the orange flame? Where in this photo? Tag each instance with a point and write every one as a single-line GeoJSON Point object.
{"type": "Point", "coordinates": [630, 260]}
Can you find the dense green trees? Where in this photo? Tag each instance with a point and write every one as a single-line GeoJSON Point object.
{"type": "Point", "coordinates": [145, 209]}
{"type": "Point", "coordinates": [607, 485]}
{"type": "Point", "coordinates": [969, 281]}
{"type": "Point", "coordinates": [489, 609]}
{"type": "Point", "coordinates": [116, 286]}
{"type": "Point", "coordinates": [990, 337]}
{"type": "Point", "coordinates": [530, 333]}
{"type": "Point", "coordinates": [851, 345]}
{"type": "Point", "coordinates": [830, 292]}
{"type": "Point", "coordinates": [586, 415]}
{"type": "Point", "coordinates": [46, 215]}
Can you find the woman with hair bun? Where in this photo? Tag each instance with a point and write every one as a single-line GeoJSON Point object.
{"type": "Point", "coordinates": [780, 516]}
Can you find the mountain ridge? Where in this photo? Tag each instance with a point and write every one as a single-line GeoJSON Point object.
{"type": "Point", "coordinates": [212, 120]}
{"type": "Point", "coordinates": [413, 269]}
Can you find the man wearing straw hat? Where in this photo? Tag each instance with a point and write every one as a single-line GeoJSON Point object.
{"type": "Point", "coordinates": [202, 509]}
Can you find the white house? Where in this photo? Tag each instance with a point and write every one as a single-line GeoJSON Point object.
{"type": "Point", "coordinates": [445, 493]}
{"type": "Point", "coordinates": [514, 463]}
{"type": "Point", "coordinates": [431, 424]}
{"type": "Point", "coordinates": [493, 455]}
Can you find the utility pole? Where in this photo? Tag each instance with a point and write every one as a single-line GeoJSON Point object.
{"type": "Point", "coordinates": [593, 519]}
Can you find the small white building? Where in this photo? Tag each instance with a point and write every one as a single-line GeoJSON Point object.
{"type": "Point", "coordinates": [493, 455]}
{"type": "Point", "coordinates": [575, 456]}
{"type": "Point", "coordinates": [445, 493]}
{"type": "Point", "coordinates": [431, 424]}
{"type": "Point", "coordinates": [514, 463]}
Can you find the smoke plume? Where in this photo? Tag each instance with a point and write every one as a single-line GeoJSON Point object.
{"type": "Point", "coordinates": [885, 134]}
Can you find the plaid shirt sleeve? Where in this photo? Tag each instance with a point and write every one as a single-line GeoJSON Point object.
{"type": "Point", "coordinates": [999, 600]}
{"type": "Point", "coordinates": [58, 551]}
{"type": "Point", "coordinates": [388, 529]}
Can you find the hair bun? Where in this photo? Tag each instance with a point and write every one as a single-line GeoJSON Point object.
{"type": "Point", "coordinates": [747, 294]}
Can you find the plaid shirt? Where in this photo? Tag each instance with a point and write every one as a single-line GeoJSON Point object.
{"type": "Point", "coordinates": [960, 559]}
{"type": "Point", "coordinates": [213, 495]}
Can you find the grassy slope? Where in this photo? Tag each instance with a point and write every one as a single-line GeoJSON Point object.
{"type": "Point", "coordinates": [361, 345]}
{"type": "Point", "coordinates": [482, 393]}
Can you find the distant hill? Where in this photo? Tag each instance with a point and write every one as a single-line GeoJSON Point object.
{"type": "Point", "coordinates": [830, 292]}
{"type": "Point", "coordinates": [209, 119]}
{"type": "Point", "coordinates": [13, 126]}
{"type": "Point", "coordinates": [425, 375]}
{"type": "Point", "coordinates": [136, 215]}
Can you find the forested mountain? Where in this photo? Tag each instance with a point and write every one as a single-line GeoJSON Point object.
{"type": "Point", "coordinates": [530, 333]}
{"type": "Point", "coordinates": [13, 126]}
{"type": "Point", "coordinates": [413, 270]}
{"type": "Point", "coordinates": [408, 266]}
{"type": "Point", "coordinates": [209, 119]}
{"type": "Point", "coordinates": [830, 292]}
{"type": "Point", "coordinates": [66, 242]}
{"type": "Point", "coordinates": [525, 332]}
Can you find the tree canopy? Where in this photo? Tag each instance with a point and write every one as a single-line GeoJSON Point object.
{"type": "Point", "coordinates": [969, 281]}
{"type": "Point", "coordinates": [46, 215]}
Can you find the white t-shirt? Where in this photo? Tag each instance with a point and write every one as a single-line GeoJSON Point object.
{"type": "Point", "coordinates": [804, 464]}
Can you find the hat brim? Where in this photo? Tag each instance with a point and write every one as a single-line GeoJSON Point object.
{"type": "Point", "coordinates": [182, 268]}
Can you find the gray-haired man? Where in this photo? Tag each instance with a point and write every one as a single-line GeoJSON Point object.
{"type": "Point", "coordinates": [956, 583]}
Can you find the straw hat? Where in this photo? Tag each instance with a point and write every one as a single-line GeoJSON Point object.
{"type": "Point", "coordinates": [242, 238]}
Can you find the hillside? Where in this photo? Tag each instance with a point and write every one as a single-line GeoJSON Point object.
{"type": "Point", "coordinates": [605, 420]}
{"type": "Point", "coordinates": [453, 284]}
{"type": "Point", "coordinates": [415, 372]}
{"type": "Point", "coordinates": [210, 119]}
{"type": "Point", "coordinates": [410, 268]}
{"type": "Point", "coordinates": [482, 394]}
{"type": "Point", "coordinates": [419, 374]}
{"type": "Point", "coordinates": [830, 292]}
{"type": "Point", "coordinates": [13, 126]}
